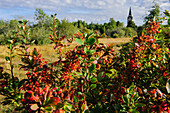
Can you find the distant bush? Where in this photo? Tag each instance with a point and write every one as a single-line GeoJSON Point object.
{"type": "Point", "coordinates": [40, 35]}
{"type": "Point", "coordinates": [115, 33]}
{"type": "Point", "coordinates": [65, 28]}
{"type": "Point", "coordinates": [166, 32]}
{"type": "Point", "coordinates": [130, 32]}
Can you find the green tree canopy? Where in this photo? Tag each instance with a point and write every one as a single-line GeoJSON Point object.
{"type": "Point", "coordinates": [153, 13]}
{"type": "Point", "coordinates": [132, 24]}
{"type": "Point", "coordinates": [40, 16]}
{"type": "Point", "coordinates": [66, 28]}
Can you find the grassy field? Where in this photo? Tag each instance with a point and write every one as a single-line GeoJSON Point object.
{"type": "Point", "coordinates": [49, 54]}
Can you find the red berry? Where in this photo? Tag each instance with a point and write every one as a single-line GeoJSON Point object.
{"type": "Point", "coordinates": [62, 95]}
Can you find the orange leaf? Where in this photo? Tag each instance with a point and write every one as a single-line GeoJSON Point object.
{"type": "Point", "coordinates": [54, 100]}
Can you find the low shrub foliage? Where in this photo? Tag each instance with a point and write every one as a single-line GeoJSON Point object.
{"type": "Point", "coordinates": [90, 77]}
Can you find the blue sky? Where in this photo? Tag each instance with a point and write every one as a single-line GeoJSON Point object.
{"type": "Point", "coordinates": [97, 11]}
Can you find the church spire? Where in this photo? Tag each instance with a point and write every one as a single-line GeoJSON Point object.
{"type": "Point", "coordinates": [130, 22]}
{"type": "Point", "coordinates": [130, 15]}
{"type": "Point", "coordinates": [129, 18]}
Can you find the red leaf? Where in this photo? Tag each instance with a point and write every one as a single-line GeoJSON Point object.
{"type": "Point", "coordinates": [55, 100]}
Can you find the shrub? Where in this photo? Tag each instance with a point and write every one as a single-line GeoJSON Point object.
{"type": "Point", "coordinates": [115, 33]}
{"type": "Point", "coordinates": [130, 32]}
{"type": "Point", "coordinates": [90, 77]}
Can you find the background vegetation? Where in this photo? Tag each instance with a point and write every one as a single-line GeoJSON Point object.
{"type": "Point", "coordinates": [40, 29]}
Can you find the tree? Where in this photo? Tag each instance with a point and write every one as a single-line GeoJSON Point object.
{"type": "Point", "coordinates": [66, 28]}
{"type": "Point", "coordinates": [91, 26]}
{"type": "Point", "coordinates": [132, 24]}
{"type": "Point", "coordinates": [130, 32]}
{"type": "Point", "coordinates": [119, 24]}
{"type": "Point", "coordinates": [111, 24]}
{"type": "Point", "coordinates": [153, 13]}
{"type": "Point", "coordinates": [40, 16]}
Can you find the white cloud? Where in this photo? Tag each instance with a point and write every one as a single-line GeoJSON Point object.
{"type": "Point", "coordinates": [92, 10]}
{"type": "Point", "coordinates": [121, 2]}
{"type": "Point", "coordinates": [68, 1]}
{"type": "Point", "coordinates": [101, 3]}
{"type": "Point", "coordinates": [134, 0]}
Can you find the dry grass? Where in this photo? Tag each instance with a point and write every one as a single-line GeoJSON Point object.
{"type": "Point", "coordinates": [49, 54]}
{"type": "Point", "coordinates": [116, 41]}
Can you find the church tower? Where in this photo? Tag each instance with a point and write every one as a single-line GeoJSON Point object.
{"type": "Point", "coordinates": [130, 22]}
{"type": "Point", "coordinates": [129, 18]}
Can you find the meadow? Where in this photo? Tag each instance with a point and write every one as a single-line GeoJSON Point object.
{"type": "Point", "coordinates": [49, 53]}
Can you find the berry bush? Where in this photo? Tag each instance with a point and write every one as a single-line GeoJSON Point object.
{"type": "Point", "coordinates": [90, 77]}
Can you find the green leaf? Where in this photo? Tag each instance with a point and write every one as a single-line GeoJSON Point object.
{"type": "Point", "coordinates": [128, 98]}
{"type": "Point", "coordinates": [75, 99]}
{"type": "Point", "coordinates": [125, 99]}
{"type": "Point", "coordinates": [78, 40]}
{"type": "Point", "coordinates": [92, 86]}
{"type": "Point", "coordinates": [166, 56]}
{"type": "Point", "coordinates": [97, 41]}
{"type": "Point", "coordinates": [35, 52]}
{"type": "Point", "coordinates": [92, 51]}
{"type": "Point", "coordinates": [92, 59]}
{"type": "Point", "coordinates": [86, 50]}
{"type": "Point", "coordinates": [124, 107]}
{"type": "Point", "coordinates": [133, 111]}
{"type": "Point", "coordinates": [10, 41]}
{"type": "Point", "coordinates": [169, 21]}
{"type": "Point", "coordinates": [67, 107]}
{"type": "Point", "coordinates": [20, 22]}
{"type": "Point", "coordinates": [25, 60]}
{"type": "Point", "coordinates": [167, 13]}
{"type": "Point", "coordinates": [7, 58]}
{"type": "Point", "coordinates": [131, 89]}
{"type": "Point", "coordinates": [48, 108]}
{"type": "Point", "coordinates": [87, 37]}
{"type": "Point", "coordinates": [92, 67]}
{"type": "Point", "coordinates": [79, 93]}
{"type": "Point", "coordinates": [90, 41]}
{"type": "Point", "coordinates": [135, 97]}
{"type": "Point", "coordinates": [80, 57]}
{"type": "Point", "coordinates": [32, 42]}
{"type": "Point", "coordinates": [99, 76]}
{"type": "Point", "coordinates": [139, 104]}
{"type": "Point", "coordinates": [10, 46]}
{"type": "Point", "coordinates": [93, 80]}
{"type": "Point", "coordinates": [83, 107]}
{"type": "Point", "coordinates": [59, 105]}
{"type": "Point", "coordinates": [25, 21]}
{"type": "Point", "coordinates": [48, 96]}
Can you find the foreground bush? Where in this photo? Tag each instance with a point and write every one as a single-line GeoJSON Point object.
{"type": "Point", "coordinates": [91, 77]}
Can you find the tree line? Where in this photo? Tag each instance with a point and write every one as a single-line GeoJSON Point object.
{"type": "Point", "coordinates": [41, 28]}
